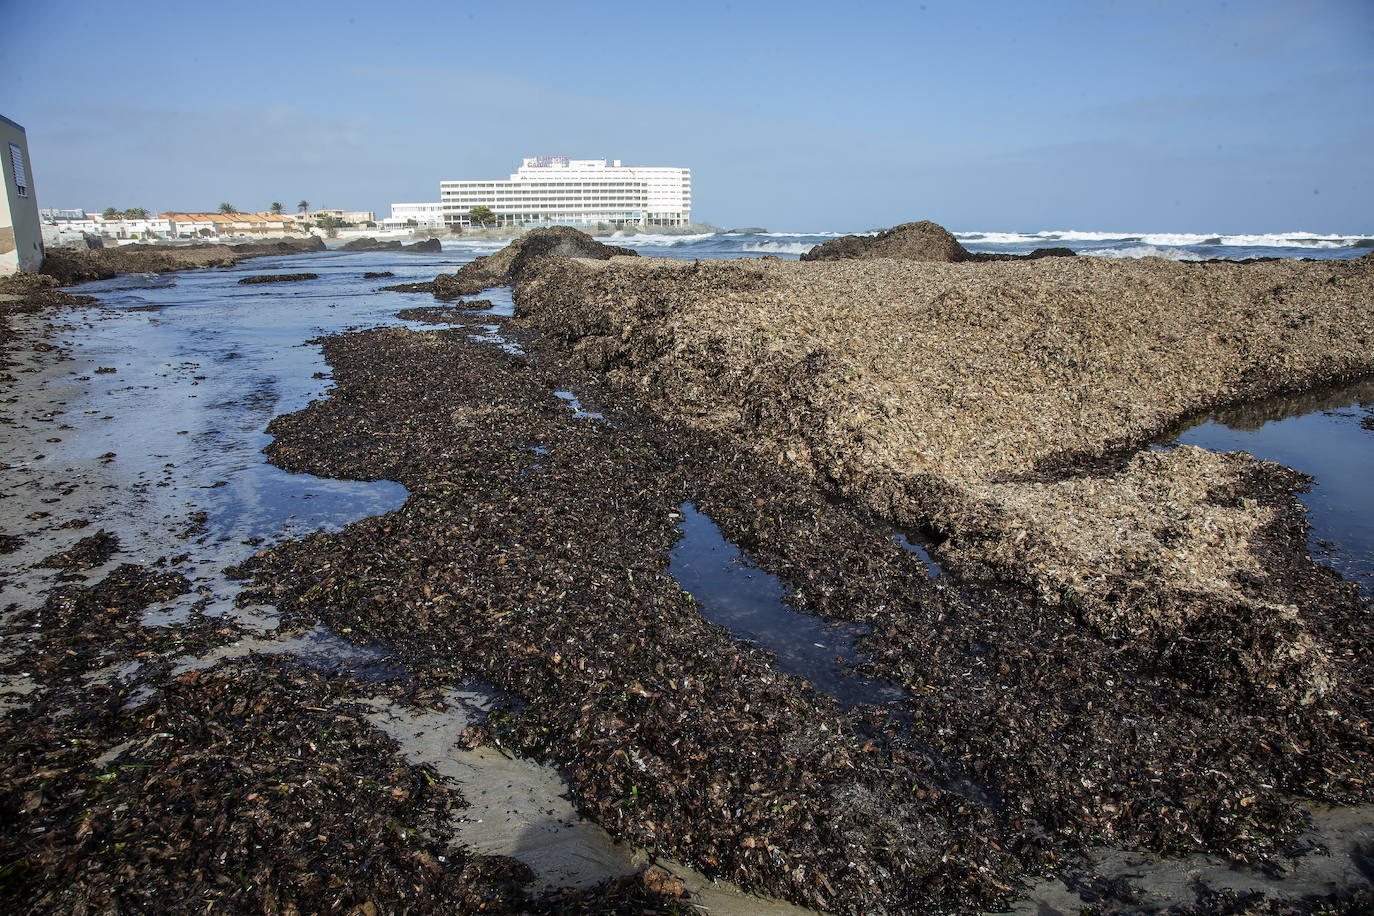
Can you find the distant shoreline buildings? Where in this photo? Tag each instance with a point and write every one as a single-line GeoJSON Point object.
{"type": "Point", "coordinates": [67, 226]}
{"type": "Point", "coordinates": [545, 190]}
{"type": "Point", "coordinates": [587, 192]}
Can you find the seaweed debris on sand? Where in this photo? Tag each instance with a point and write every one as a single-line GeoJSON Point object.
{"type": "Point", "coordinates": [257, 786]}
{"type": "Point", "coordinates": [544, 573]}
{"type": "Point", "coordinates": [27, 294]}
{"type": "Point", "coordinates": [533, 555]}
{"type": "Point", "coordinates": [805, 408]}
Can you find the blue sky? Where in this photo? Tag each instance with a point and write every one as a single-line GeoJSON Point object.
{"type": "Point", "coordinates": [1149, 116]}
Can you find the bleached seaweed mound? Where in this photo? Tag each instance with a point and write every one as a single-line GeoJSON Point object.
{"type": "Point", "coordinates": [967, 397]}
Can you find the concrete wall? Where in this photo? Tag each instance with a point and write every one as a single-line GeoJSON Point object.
{"type": "Point", "coordinates": [21, 236]}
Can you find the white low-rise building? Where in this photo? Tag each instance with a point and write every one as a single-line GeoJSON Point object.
{"type": "Point", "coordinates": [138, 229]}
{"type": "Point", "coordinates": [352, 217]}
{"type": "Point", "coordinates": [223, 225]}
{"type": "Point", "coordinates": [415, 216]}
{"type": "Point", "coordinates": [553, 189]}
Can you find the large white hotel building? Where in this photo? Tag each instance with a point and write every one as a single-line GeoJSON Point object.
{"type": "Point", "coordinates": [554, 189]}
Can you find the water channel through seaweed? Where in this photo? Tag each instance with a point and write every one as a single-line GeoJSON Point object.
{"type": "Point", "coordinates": [750, 602]}
{"type": "Point", "coordinates": [1328, 434]}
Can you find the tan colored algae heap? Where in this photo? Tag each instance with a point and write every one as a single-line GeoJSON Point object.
{"type": "Point", "coordinates": [947, 395]}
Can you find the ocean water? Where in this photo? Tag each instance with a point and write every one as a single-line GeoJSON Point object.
{"type": "Point", "coordinates": [1174, 246]}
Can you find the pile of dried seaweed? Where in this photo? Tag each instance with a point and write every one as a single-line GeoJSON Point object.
{"type": "Point", "coordinates": [955, 396]}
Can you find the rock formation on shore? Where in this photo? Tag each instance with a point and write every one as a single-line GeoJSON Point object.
{"type": "Point", "coordinates": [503, 268]}
{"type": "Point", "coordinates": [923, 241]}
{"type": "Point", "coordinates": [370, 244]}
{"type": "Point", "coordinates": [424, 246]}
{"type": "Point", "coordinates": [277, 278]}
{"type": "Point", "coordinates": [70, 266]}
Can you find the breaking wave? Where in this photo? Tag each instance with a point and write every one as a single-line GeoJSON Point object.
{"type": "Point", "coordinates": [1143, 251]}
{"type": "Point", "coordinates": [649, 238]}
{"type": "Point", "coordinates": [1174, 239]}
{"type": "Point", "coordinates": [779, 247]}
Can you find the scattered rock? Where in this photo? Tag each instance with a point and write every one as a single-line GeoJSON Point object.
{"type": "Point", "coordinates": [503, 268]}
{"type": "Point", "coordinates": [441, 314]}
{"type": "Point", "coordinates": [923, 241]}
{"type": "Point", "coordinates": [370, 244]}
{"type": "Point", "coordinates": [70, 267]}
{"type": "Point", "coordinates": [278, 278]}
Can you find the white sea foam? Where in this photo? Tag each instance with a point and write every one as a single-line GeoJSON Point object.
{"type": "Point", "coordinates": [474, 244]}
{"type": "Point", "coordinates": [649, 238]}
{"type": "Point", "coordinates": [806, 235]}
{"type": "Point", "coordinates": [1267, 240]}
{"type": "Point", "coordinates": [996, 238]}
{"type": "Point", "coordinates": [1143, 251]}
{"type": "Point", "coordinates": [778, 247]}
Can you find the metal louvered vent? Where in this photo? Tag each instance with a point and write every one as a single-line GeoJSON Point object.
{"type": "Point", "coordinates": [21, 177]}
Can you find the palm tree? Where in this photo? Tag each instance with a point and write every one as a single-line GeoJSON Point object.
{"type": "Point", "coordinates": [227, 208]}
{"type": "Point", "coordinates": [276, 207]}
{"type": "Point", "coordinates": [303, 206]}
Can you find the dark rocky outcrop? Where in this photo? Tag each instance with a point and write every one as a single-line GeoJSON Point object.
{"type": "Point", "coordinates": [412, 287]}
{"type": "Point", "coordinates": [72, 266]}
{"type": "Point", "coordinates": [370, 244]}
{"type": "Point", "coordinates": [1051, 253]}
{"type": "Point", "coordinates": [923, 241]}
{"type": "Point", "coordinates": [503, 268]}
{"type": "Point", "coordinates": [278, 278]}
